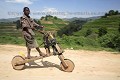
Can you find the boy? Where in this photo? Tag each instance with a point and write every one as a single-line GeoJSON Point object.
{"type": "Point", "coordinates": [28, 25]}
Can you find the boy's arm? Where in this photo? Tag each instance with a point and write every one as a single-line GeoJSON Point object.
{"type": "Point", "coordinates": [37, 25]}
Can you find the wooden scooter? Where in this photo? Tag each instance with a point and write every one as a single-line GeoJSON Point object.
{"type": "Point", "coordinates": [18, 62]}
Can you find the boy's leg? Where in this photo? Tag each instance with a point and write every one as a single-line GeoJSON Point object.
{"type": "Point", "coordinates": [40, 53]}
{"type": "Point", "coordinates": [28, 55]}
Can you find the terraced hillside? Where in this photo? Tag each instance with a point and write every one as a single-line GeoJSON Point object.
{"type": "Point", "coordinates": [111, 23]}
{"type": "Point", "coordinates": [10, 35]}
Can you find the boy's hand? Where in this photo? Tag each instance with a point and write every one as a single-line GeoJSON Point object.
{"type": "Point", "coordinates": [41, 26]}
{"type": "Point", "coordinates": [32, 28]}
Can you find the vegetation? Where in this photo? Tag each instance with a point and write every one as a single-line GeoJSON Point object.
{"type": "Point", "coordinates": [110, 13]}
{"type": "Point", "coordinates": [102, 31]}
{"type": "Point", "coordinates": [99, 34]}
{"type": "Point", "coordinates": [71, 27]}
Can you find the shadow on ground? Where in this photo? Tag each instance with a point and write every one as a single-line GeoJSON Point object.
{"type": "Point", "coordinates": [46, 64]}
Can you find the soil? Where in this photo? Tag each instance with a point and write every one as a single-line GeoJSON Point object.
{"type": "Point", "coordinates": [89, 65]}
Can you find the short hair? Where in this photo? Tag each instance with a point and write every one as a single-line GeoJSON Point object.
{"type": "Point", "coordinates": [26, 8]}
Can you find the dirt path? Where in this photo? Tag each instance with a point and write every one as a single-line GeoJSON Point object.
{"type": "Point", "coordinates": [89, 65]}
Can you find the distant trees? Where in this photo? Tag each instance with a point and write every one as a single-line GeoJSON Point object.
{"type": "Point", "coordinates": [110, 13]}
{"type": "Point", "coordinates": [117, 12]}
{"type": "Point", "coordinates": [47, 17]}
{"type": "Point", "coordinates": [42, 18]}
{"type": "Point", "coordinates": [71, 27]}
{"type": "Point", "coordinates": [55, 17]}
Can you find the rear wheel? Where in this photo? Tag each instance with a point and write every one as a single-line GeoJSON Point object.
{"type": "Point", "coordinates": [16, 60]}
{"type": "Point", "coordinates": [70, 64]}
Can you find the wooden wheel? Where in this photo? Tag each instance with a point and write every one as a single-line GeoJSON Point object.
{"type": "Point", "coordinates": [16, 60]}
{"type": "Point", "coordinates": [70, 67]}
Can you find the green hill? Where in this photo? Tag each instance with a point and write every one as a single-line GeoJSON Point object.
{"type": "Point", "coordinates": [52, 22]}
{"type": "Point", "coordinates": [111, 23]}
{"type": "Point", "coordinates": [9, 34]}
{"type": "Point", "coordinates": [80, 35]}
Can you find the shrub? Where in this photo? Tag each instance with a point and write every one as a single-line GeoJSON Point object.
{"type": "Point", "coordinates": [116, 42]}
{"type": "Point", "coordinates": [119, 28]}
{"type": "Point", "coordinates": [71, 27]}
{"type": "Point", "coordinates": [88, 32]}
{"type": "Point", "coordinates": [107, 40]}
{"type": "Point", "coordinates": [110, 41]}
{"type": "Point", "coordinates": [102, 31]}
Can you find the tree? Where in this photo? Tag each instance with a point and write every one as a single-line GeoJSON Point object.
{"type": "Point", "coordinates": [18, 25]}
{"type": "Point", "coordinates": [55, 18]}
{"type": "Point", "coordinates": [88, 32]}
{"type": "Point", "coordinates": [71, 27]}
{"type": "Point", "coordinates": [46, 18]}
{"type": "Point", "coordinates": [39, 22]}
{"type": "Point", "coordinates": [35, 20]}
{"type": "Point", "coordinates": [102, 31]}
{"type": "Point", "coordinates": [106, 15]}
{"type": "Point", "coordinates": [116, 12]}
{"type": "Point", "coordinates": [119, 28]}
{"type": "Point", "coordinates": [42, 18]}
{"type": "Point", "coordinates": [116, 41]}
{"type": "Point", "coordinates": [111, 12]}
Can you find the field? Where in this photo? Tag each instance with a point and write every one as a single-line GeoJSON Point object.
{"type": "Point", "coordinates": [78, 40]}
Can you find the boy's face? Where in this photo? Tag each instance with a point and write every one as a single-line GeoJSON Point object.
{"type": "Point", "coordinates": [27, 12]}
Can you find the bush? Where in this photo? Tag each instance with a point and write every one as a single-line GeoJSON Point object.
{"type": "Point", "coordinates": [119, 28]}
{"type": "Point", "coordinates": [110, 41]}
{"type": "Point", "coordinates": [71, 27]}
{"type": "Point", "coordinates": [81, 41]}
{"type": "Point", "coordinates": [116, 42]}
{"type": "Point", "coordinates": [102, 31]}
{"type": "Point", "coordinates": [18, 25]}
{"type": "Point", "coordinates": [88, 32]}
{"type": "Point", "coordinates": [107, 40]}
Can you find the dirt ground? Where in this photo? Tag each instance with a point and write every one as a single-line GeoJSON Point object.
{"type": "Point", "coordinates": [89, 65]}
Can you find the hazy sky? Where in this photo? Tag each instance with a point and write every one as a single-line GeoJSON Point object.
{"type": "Point", "coordinates": [60, 8]}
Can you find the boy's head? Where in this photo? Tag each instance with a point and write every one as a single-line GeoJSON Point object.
{"type": "Point", "coordinates": [26, 11]}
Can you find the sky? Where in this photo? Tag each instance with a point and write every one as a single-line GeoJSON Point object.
{"type": "Point", "coordinates": [59, 8]}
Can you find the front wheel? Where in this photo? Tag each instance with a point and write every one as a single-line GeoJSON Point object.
{"type": "Point", "coordinates": [70, 64]}
{"type": "Point", "coordinates": [16, 60]}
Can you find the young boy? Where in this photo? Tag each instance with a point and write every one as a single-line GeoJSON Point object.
{"type": "Point", "coordinates": [28, 25]}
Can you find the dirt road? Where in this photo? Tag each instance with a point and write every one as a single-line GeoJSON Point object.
{"type": "Point", "coordinates": [89, 65]}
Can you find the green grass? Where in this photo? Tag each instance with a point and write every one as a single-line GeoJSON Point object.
{"type": "Point", "coordinates": [9, 34]}
{"type": "Point", "coordinates": [111, 23]}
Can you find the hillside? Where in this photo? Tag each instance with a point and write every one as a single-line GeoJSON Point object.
{"type": "Point", "coordinates": [52, 23]}
{"type": "Point", "coordinates": [80, 35]}
{"type": "Point", "coordinates": [9, 19]}
{"type": "Point", "coordinates": [111, 23]}
{"type": "Point", "coordinates": [102, 33]}
{"type": "Point", "coordinates": [83, 19]}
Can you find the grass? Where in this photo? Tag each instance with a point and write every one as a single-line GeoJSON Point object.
{"type": "Point", "coordinates": [9, 34]}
